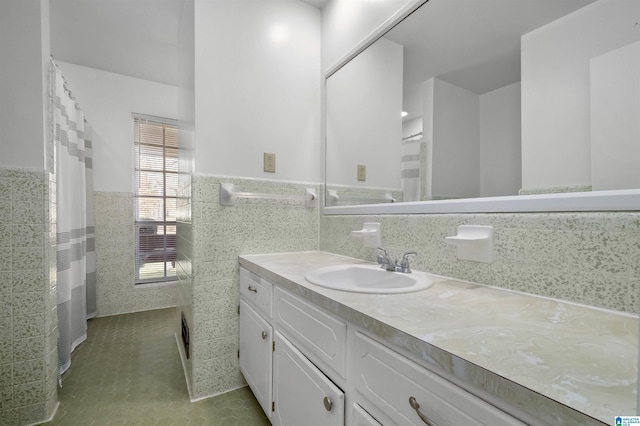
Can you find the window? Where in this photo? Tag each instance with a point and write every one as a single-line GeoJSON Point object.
{"type": "Point", "coordinates": [156, 184]}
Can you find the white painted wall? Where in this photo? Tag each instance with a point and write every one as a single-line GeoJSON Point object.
{"type": "Point", "coordinates": [257, 88]}
{"type": "Point", "coordinates": [24, 59]}
{"type": "Point", "coordinates": [411, 127]}
{"type": "Point", "coordinates": [472, 141]}
{"type": "Point", "coordinates": [186, 92]}
{"type": "Point", "coordinates": [615, 119]}
{"type": "Point", "coordinates": [456, 142]}
{"type": "Point", "coordinates": [556, 139]}
{"type": "Point", "coordinates": [108, 100]}
{"type": "Point", "coordinates": [346, 23]}
{"type": "Point", "coordinates": [500, 140]}
{"type": "Point", "coordinates": [364, 126]}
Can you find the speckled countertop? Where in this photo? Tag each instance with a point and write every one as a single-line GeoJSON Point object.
{"type": "Point", "coordinates": [559, 362]}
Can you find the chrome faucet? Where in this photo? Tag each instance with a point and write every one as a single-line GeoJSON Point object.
{"type": "Point", "coordinates": [386, 262]}
{"type": "Point", "coordinates": [404, 264]}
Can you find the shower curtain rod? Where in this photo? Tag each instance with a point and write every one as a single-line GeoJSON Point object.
{"type": "Point", "coordinates": [412, 136]}
{"type": "Point", "coordinates": [64, 85]}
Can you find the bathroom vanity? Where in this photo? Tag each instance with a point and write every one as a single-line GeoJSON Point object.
{"type": "Point", "coordinates": [456, 353]}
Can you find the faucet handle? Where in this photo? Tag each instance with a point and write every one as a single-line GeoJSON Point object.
{"type": "Point", "coordinates": [404, 264]}
{"type": "Point", "coordinates": [385, 261]}
{"type": "Point", "coordinates": [383, 255]}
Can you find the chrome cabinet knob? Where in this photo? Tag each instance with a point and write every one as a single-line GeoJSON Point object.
{"type": "Point", "coordinates": [328, 405]}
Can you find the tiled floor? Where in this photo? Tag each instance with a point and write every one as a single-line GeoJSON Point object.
{"type": "Point", "coordinates": [128, 372]}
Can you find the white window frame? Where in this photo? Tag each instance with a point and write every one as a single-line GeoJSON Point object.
{"type": "Point", "coordinates": [148, 232]}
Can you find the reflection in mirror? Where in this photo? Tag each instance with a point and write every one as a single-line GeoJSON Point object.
{"type": "Point", "coordinates": [498, 97]}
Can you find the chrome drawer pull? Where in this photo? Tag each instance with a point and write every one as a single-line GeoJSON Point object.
{"type": "Point", "coordinates": [264, 335]}
{"type": "Point", "coordinates": [255, 290]}
{"type": "Point", "coordinates": [328, 405]}
{"type": "Point", "coordinates": [414, 404]}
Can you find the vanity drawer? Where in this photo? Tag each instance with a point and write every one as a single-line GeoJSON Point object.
{"type": "Point", "coordinates": [319, 335]}
{"type": "Point", "coordinates": [257, 291]}
{"type": "Point", "coordinates": [387, 380]}
{"type": "Point", "coordinates": [362, 418]}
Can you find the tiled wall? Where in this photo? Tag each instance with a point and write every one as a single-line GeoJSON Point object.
{"type": "Point", "coordinates": [28, 321]}
{"type": "Point", "coordinates": [219, 235]}
{"type": "Point", "coordinates": [115, 259]}
{"type": "Point", "coordinates": [589, 258]}
{"type": "Point", "coordinates": [349, 195]}
{"type": "Point", "coordinates": [184, 286]}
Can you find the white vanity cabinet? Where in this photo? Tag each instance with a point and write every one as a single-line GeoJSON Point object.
{"type": "Point", "coordinates": [309, 367]}
{"type": "Point", "coordinates": [256, 336]}
{"type": "Point", "coordinates": [359, 417]}
{"type": "Point", "coordinates": [397, 391]}
{"type": "Point", "coordinates": [303, 395]}
{"type": "Point", "coordinates": [291, 389]}
{"type": "Point", "coordinates": [319, 335]}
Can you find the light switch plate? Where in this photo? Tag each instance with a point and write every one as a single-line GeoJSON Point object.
{"type": "Point", "coordinates": [362, 172]}
{"type": "Point", "coordinates": [269, 162]}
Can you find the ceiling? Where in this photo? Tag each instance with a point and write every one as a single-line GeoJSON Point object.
{"type": "Point", "coordinates": [138, 38]}
{"type": "Point", "coordinates": [316, 3]}
{"type": "Point", "coordinates": [469, 43]}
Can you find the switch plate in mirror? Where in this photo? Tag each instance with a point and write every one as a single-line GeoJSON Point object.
{"type": "Point", "coordinates": [362, 172]}
{"type": "Point", "coordinates": [269, 162]}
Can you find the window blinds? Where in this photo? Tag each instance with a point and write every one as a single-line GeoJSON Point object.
{"type": "Point", "coordinates": [156, 185]}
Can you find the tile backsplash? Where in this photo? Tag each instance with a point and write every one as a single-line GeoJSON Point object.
{"type": "Point", "coordinates": [591, 258]}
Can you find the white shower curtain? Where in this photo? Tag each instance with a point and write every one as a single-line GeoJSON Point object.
{"type": "Point", "coordinates": [75, 231]}
{"type": "Point", "coordinates": [410, 169]}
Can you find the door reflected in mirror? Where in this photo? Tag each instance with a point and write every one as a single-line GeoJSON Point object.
{"type": "Point", "coordinates": [468, 99]}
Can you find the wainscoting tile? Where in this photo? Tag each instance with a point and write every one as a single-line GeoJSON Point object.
{"type": "Point", "coordinates": [27, 280]}
{"type": "Point", "coordinates": [115, 255]}
{"type": "Point", "coordinates": [33, 413]}
{"type": "Point", "coordinates": [25, 212]}
{"type": "Point", "coordinates": [28, 393]}
{"type": "Point", "coordinates": [28, 258]}
{"type": "Point", "coordinates": [28, 235]}
{"type": "Point", "coordinates": [28, 326]}
{"type": "Point", "coordinates": [218, 234]}
{"type": "Point", "coordinates": [28, 188]}
{"type": "Point", "coordinates": [28, 303]}
{"type": "Point", "coordinates": [6, 403]}
{"type": "Point", "coordinates": [28, 371]}
{"type": "Point", "coordinates": [5, 188]}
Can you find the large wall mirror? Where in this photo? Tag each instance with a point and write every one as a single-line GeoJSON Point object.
{"type": "Point", "coordinates": [502, 101]}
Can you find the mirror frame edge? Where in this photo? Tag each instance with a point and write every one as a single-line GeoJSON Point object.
{"type": "Point", "coordinates": [612, 200]}
{"type": "Point", "coordinates": [376, 34]}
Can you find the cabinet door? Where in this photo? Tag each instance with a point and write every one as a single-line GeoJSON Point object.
{"type": "Point", "coordinates": [255, 354]}
{"type": "Point", "coordinates": [302, 394]}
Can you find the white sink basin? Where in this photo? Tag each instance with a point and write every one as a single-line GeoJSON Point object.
{"type": "Point", "coordinates": [368, 279]}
